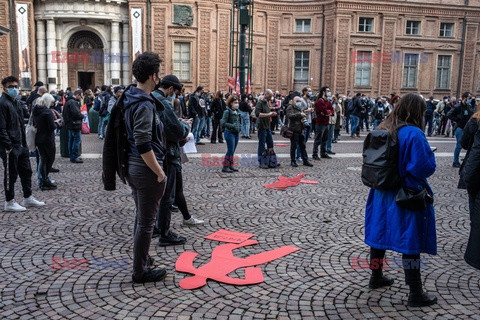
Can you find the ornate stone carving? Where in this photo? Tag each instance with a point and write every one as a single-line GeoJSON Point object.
{"type": "Point", "coordinates": [182, 15]}
{"type": "Point", "coordinates": [413, 45]}
{"type": "Point", "coordinates": [364, 42]}
{"type": "Point", "coordinates": [182, 33]}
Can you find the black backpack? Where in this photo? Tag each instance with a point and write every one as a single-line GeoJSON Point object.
{"type": "Point", "coordinates": [380, 161]}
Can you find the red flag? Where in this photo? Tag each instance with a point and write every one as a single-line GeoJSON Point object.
{"type": "Point", "coordinates": [249, 85]}
{"type": "Point", "coordinates": [238, 83]}
{"type": "Point", "coordinates": [231, 82]}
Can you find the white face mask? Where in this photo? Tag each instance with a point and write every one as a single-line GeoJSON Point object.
{"type": "Point", "coordinates": [329, 94]}
{"type": "Point", "coordinates": [235, 106]}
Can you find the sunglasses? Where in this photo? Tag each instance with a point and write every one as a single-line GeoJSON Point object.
{"type": "Point", "coordinates": [12, 86]}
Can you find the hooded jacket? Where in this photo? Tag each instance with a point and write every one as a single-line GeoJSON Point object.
{"type": "Point", "coordinates": [12, 130]}
{"type": "Point", "coordinates": [43, 120]}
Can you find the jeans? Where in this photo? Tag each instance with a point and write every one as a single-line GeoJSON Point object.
{"type": "Point", "coordinates": [231, 138]}
{"type": "Point", "coordinates": [306, 135]}
{"type": "Point", "coordinates": [321, 135]}
{"type": "Point", "coordinates": [297, 141]}
{"type": "Point", "coordinates": [74, 140]}
{"type": "Point", "coordinates": [364, 120]}
{"type": "Point", "coordinates": [16, 164]}
{"type": "Point", "coordinates": [264, 136]}
{"type": "Point", "coordinates": [147, 193]}
{"type": "Point", "coordinates": [197, 128]}
{"type": "Point", "coordinates": [217, 131]}
{"type": "Point", "coordinates": [245, 116]}
{"type": "Point", "coordinates": [376, 123]}
{"type": "Point", "coordinates": [102, 126]}
{"type": "Point", "coordinates": [429, 121]}
{"type": "Point", "coordinates": [458, 146]}
{"type": "Point", "coordinates": [206, 127]}
{"type": "Point", "coordinates": [354, 121]}
{"type": "Point", "coordinates": [331, 127]}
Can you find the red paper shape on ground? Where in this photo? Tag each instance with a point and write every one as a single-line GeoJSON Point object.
{"type": "Point", "coordinates": [224, 262]}
{"type": "Point", "coordinates": [281, 145]}
{"type": "Point", "coordinates": [283, 182]}
{"type": "Point", "coordinates": [229, 236]}
{"type": "Point", "coordinates": [308, 181]}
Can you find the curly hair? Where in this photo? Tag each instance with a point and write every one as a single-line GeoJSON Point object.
{"type": "Point", "coordinates": [145, 65]}
{"type": "Point", "coordinates": [9, 79]}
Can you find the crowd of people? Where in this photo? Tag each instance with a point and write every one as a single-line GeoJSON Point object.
{"type": "Point", "coordinates": [152, 120]}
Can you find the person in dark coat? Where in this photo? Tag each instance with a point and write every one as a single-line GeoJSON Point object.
{"type": "Point", "coordinates": [471, 173]}
{"type": "Point", "coordinates": [391, 227]}
{"type": "Point", "coordinates": [73, 122]}
{"type": "Point", "coordinates": [43, 118]}
{"type": "Point", "coordinates": [218, 108]}
{"type": "Point", "coordinates": [231, 126]}
{"type": "Point", "coordinates": [296, 119]}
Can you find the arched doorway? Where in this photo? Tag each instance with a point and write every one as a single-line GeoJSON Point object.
{"type": "Point", "coordinates": [85, 60]}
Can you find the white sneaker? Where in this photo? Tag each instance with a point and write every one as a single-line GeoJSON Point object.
{"type": "Point", "coordinates": [192, 221]}
{"type": "Point", "coordinates": [32, 202]}
{"type": "Point", "coordinates": [13, 206]}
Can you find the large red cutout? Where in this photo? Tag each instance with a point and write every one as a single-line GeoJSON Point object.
{"type": "Point", "coordinates": [224, 262]}
{"type": "Point", "coordinates": [283, 182]}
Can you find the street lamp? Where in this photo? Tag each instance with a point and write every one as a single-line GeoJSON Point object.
{"type": "Point", "coordinates": [244, 21]}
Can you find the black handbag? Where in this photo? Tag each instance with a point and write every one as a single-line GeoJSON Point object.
{"type": "Point", "coordinates": [413, 200]}
{"type": "Point", "coordinates": [286, 132]}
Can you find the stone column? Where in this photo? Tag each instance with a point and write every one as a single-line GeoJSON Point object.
{"type": "Point", "coordinates": [126, 56]}
{"type": "Point", "coordinates": [115, 54]}
{"type": "Point", "coordinates": [41, 52]}
{"type": "Point", "coordinates": [51, 47]}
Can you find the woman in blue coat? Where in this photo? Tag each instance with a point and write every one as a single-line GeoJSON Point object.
{"type": "Point", "coordinates": [391, 227]}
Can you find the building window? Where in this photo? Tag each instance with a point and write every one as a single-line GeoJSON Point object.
{"type": "Point", "coordinates": [410, 68]}
{"type": "Point", "coordinates": [446, 29]}
{"type": "Point", "coordinates": [363, 68]}
{"type": "Point", "coordinates": [181, 60]}
{"type": "Point", "coordinates": [443, 72]}
{"type": "Point", "coordinates": [302, 65]}
{"type": "Point", "coordinates": [302, 25]}
{"type": "Point", "coordinates": [413, 27]}
{"type": "Point", "coordinates": [365, 25]}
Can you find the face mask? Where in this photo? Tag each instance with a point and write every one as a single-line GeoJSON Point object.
{"type": "Point", "coordinates": [329, 94]}
{"type": "Point", "coordinates": [469, 101]}
{"type": "Point", "coordinates": [298, 104]}
{"type": "Point", "coordinates": [172, 98]}
{"type": "Point", "coordinates": [13, 92]}
{"type": "Point", "coordinates": [235, 106]}
{"type": "Point", "coordinates": [445, 100]}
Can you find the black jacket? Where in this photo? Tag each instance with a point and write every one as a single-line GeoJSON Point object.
{"type": "Point", "coordinates": [244, 107]}
{"type": "Point", "coordinates": [115, 147]}
{"type": "Point", "coordinates": [12, 130]}
{"type": "Point", "coordinates": [175, 131]}
{"type": "Point", "coordinates": [357, 107]}
{"type": "Point", "coordinates": [72, 117]}
{"type": "Point", "coordinates": [43, 120]}
{"type": "Point", "coordinates": [460, 114]}
{"type": "Point", "coordinates": [33, 95]}
{"type": "Point", "coordinates": [218, 108]}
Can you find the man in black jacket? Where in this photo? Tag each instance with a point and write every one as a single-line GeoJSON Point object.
{"type": "Point", "coordinates": [460, 114]}
{"type": "Point", "coordinates": [73, 122]}
{"type": "Point", "coordinates": [175, 133]}
{"type": "Point", "coordinates": [34, 94]}
{"type": "Point", "coordinates": [13, 150]}
{"type": "Point", "coordinates": [198, 113]}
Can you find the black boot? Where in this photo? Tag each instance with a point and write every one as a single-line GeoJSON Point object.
{"type": "Point", "coordinates": [378, 280]}
{"type": "Point", "coordinates": [232, 167]}
{"type": "Point", "coordinates": [294, 164]}
{"type": "Point", "coordinates": [417, 297]}
{"type": "Point", "coordinates": [227, 169]}
{"type": "Point", "coordinates": [307, 163]}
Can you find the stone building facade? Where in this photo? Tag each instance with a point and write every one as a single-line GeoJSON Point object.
{"type": "Point", "coordinates": [375, 47]}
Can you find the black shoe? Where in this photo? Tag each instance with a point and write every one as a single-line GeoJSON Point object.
{"type": "Point", "coordinates": [315, 157]}
{"type": "Point", "coordinates": [78, 160]}
{"type": "Point", "coordinates": [334, 141]}
{"type": "Point", "coordinates": [263, 166]}
{"type": "Point", "coordinates": [46, 187]}
{"type": "Point", "coordinates": [307, 164]}
{"type": "Point", "coordinates": [200, 144]}
{"type": "Point", "coordinates": [54, 170]}
{"type": "Point", "coordinates": [273, 133]}
{"type": "Point", "coordinates": [294, 164]}
{"type": "Point", "coordinates": [171, 240]}
{"type": "Point", "coordinates": [325, 156]}
{"type": "Point", "coordinates": [221, 141]}
{"type": "Point", "coordinates": [330, 152]}
{"type": "Point", "coordinates": [233, 169]}
{"type": "Point", "coordinates": [151, 275]}
{"type": "Point", "coordinates": [421, 299]}
{"type": "Point", "coordinates": [156, 233]}
{"type": "Point", "coordinates": [376, 283]}
{"type": "Point", "coordinates": [174, 208]}
{"type": "Point", "coordinates": [213, 142]}
{"type": "Point", "coordinates": [227, 170]}
{"type": "Point", "coordinates": [150, 262]}
{"type": "Point", "coordinates": [456, 165]}
{"type": "Point", "coordinates": [248, 137]}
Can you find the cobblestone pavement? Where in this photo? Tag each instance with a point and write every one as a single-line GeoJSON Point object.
{"type": "Point", "coordinates": [318, 282]}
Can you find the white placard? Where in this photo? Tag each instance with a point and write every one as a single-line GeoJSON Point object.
{"type": "Point", "coordinates": [136, 19]}
{"type": "Point", "coordinates": [21, 11]}
{"type": "Point", "coordinates": [190, 147]}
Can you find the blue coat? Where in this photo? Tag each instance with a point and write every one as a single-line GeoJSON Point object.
{"type": "Point", "coordinates": [387, 226]}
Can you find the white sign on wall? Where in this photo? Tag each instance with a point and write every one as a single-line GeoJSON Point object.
{"type": "Point", "coordinates": [21, 11]}
{"type": "Point", "coordinates": [136, 22]}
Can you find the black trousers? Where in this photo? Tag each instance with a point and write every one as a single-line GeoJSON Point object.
{"type": "Point", "coordinates": [173, 194]}
{"type": "Point", "coordinates": [274, 123]}
{"type": "Point", "coordinates": [321, 136]}
{"type": "Point", "coordinates": [217, 130]}
{"type": "Point", "coordinates": [16, 164]}
{"type": "Point", "coordinates": [298, 139]}
{"type": "Point", "coordinates": [46, 152]}
{"type": "Point", "coordinates": [147, 192]}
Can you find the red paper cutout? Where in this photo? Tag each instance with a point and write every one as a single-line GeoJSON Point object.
{"type": "Point", "coordinates": [224, 262]}
{"type": "Point", "coordinates": [283, 182]}
{"type": "Point", "coordinates": [308, 181]}
{"type": "Point", "coordinates": [229, 236]}
{"type": "Point", "coordinates": [281, 144]}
